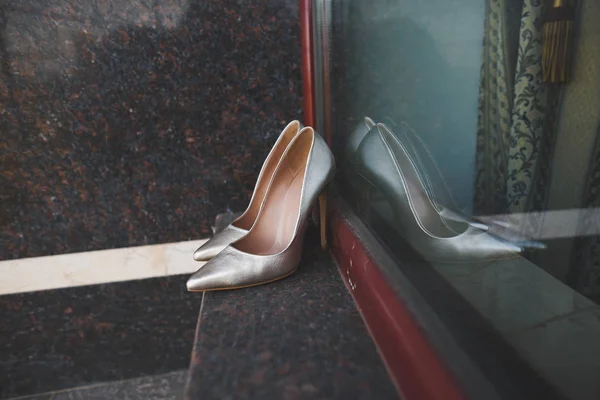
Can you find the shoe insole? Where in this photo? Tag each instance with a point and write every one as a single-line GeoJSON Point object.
{"type": "Point", "coordinates": [284, 226]}
{"type": "Point", "coordinates": [276, 224]}
{"type": "Point", "coordinates": [246, 220]}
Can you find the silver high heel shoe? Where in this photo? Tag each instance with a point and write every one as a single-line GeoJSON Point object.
{"type": "Point", "coordinates": [244, 222]}
{"type": "Point", "coordinates": [273, 247]}
{"type": "Point", "coordinates": [384, 160]}
{"type": "Point", "coordinates": [428, 170]}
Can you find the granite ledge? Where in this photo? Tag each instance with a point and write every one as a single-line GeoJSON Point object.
{"type": "Point", "coordinates": [301, 337]}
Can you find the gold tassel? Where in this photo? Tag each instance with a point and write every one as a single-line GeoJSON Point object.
{"type": "Point", "coordinates": [557, 42]}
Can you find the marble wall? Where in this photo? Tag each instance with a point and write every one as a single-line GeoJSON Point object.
{"type": "Point", "coordinates": [132, 122]}
{"type": "Point", "coordinates": [126, 123]}
{"type": "Point", "coordinates": [60, 339]}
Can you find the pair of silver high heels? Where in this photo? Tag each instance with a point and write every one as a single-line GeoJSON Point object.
{"type": "Point", "coordinates": [425, 213]}
{"type": "Point", "coordinates": [265, 243]}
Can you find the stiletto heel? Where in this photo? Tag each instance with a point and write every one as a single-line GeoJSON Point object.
{"type": "Point", "coordinates": [323, 219]}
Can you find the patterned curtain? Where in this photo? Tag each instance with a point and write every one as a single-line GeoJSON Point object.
{"type": "Point", "coordinates": [516, 128]}
{"type": "Point", "coordinates": [494, 111]}
{"type": "Point", "coordinates": [518, 131]}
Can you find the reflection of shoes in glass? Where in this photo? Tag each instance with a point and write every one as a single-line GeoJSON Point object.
{"type": "Point", "coordinates": [427, 168]}
{"type": "Point", "coordinates": [242, 225]}
{"type": "Point", "coordinates": [273, 247]}
{"type": "Point", "coordinates": [353, 141]}
{"type": "Point", "coordinates": [432, 177]}
{"type": "Point", "coordinates": [384, 161]}
{"type": "Point", "coordinates": [357, 183]}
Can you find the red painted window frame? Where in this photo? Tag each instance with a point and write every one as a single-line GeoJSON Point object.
{"type": "Point", "coordinates": [412, 362]}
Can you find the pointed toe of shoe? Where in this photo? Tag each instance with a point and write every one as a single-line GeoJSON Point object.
{"type": "Point", "coordinates": [479, 225]}
{"type": "Point", "coordinates": [214, 275]}
{"type": "Point", "coordinates": [513, 248]}
{"type": "Point", "coordinates": [198, 282]}
{"type": "Point", "coordinates": [492, 248]}
{"type": "Point", "coordinates": [190, 284]}
{"type": "Point", "coordinates": [232, 269]}
{"type": "Point", "coordinates": [205, 253]}
{"type": "Point", "coordinates": [218, 242]}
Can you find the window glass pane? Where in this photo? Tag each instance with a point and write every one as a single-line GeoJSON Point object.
{"type": "Point", "coordinates": [467, 135]}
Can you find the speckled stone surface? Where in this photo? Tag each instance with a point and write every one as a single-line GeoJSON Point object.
{"type": "Point", "coordinates": [136, 122]}
{"type": "Point", "coordinates": [64, 338]}
{"type": "Point", "coordinates": [298, 338]}
{"type": "Point", "coordinates": [160, 387]}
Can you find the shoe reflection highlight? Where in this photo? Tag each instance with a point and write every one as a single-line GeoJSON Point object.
{"type": "Point", "coordinates": [400, 167]}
